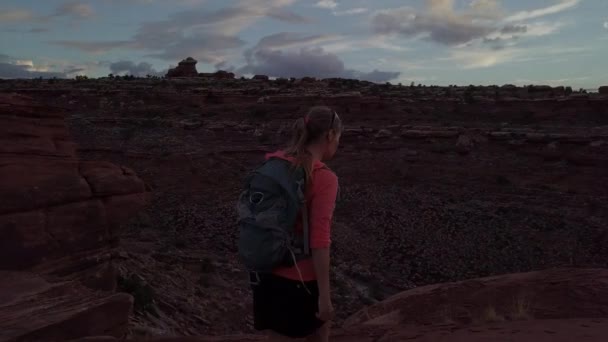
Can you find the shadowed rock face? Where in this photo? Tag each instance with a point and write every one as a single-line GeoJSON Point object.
{"type": "Point", "coordinates": [59, 219]}
{"type": "Point", "coordinates": [185, 68]}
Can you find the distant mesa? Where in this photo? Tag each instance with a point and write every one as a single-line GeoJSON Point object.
{"type": "Point", "coordinates": [260, 77]}
{"type": "Point", "coordinates": [186, 68]}
{"type": "Point", "coordinates": [218, 75]}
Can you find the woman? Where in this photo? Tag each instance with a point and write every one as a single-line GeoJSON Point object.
{"type": "Point", "coordinates": [295, 302]}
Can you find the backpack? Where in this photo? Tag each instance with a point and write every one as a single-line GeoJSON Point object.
{"type": "Point", "coordinates": [267, 211]}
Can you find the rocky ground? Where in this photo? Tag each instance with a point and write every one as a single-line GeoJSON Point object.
{"type": "Point", "coordinates": [433, 189]}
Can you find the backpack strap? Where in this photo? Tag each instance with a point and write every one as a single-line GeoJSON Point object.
{"type": "Point", "coordinates": [305, 223]}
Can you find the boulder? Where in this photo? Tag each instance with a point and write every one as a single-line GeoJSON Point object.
{"type": "Point", "coordinates": [538, 295]}
{"type": "Point", "coordinates": [59, 219]}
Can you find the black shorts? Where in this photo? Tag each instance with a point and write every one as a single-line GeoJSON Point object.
{"type": "Point", "coordinates": [284, 306]}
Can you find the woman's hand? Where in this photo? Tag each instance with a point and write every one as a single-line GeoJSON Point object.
{"type": "Point", "coordinates": [326, 308]}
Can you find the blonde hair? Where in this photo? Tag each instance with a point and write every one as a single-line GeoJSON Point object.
{"type": "Point", "coordinates": [309, 129]}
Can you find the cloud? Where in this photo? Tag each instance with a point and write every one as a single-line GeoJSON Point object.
{"type": "Point", "coordinates": [75, 9]}
{"type": "Point", "coordinates": [540, 12]}
{"type": "Point", "coordinates": [94, 47]}
{"type": "Point", "coordinates": [20, 68]}
{"type": "Point", "coordinates": [38, 30]}
{"type": "Point", "coordinates": [69, 9]}
{"type": "Point", "coordinates": [15, 15]}
{"type": "Point", "coordinates": [199, 33]}
{"type": "Point", "coordinates": [329, 4]}
{"type": "Point", "coordinates": [439, 23]}
{"type": "Point", "coordinates": [482, 21]}
{"type": "Point", "coordinates": [352, 11]}
{"type": "Point", "coordinates": [606, 24]}
{"type": "Point", "coordinates": [475, 58]}
{"type": "Point", "coordinates": [514, 29]}
{"type": "Point", "coordinates": [312, 62]}
{"type": "Point", "coordinates": [130, 68]}
{"type": "Point", "coordinates": [284, 40]}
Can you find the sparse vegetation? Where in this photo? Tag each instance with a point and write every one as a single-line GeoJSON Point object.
{"type": "Point", "coordinates": [490, 315]}
{"type": "Point", "coordinates": [521, 308]}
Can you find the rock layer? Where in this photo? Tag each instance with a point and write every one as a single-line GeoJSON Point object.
{"type": "Point", "coordinates": [59, 219]}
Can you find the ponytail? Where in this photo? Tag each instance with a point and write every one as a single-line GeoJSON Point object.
{"type": "Point", "coordinates": [306, 130]}
{"type": "Point", "coordinates": [298, 148]}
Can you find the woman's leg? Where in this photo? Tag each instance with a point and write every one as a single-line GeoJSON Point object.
{"type": "Point", "coordinates": [321, 335]}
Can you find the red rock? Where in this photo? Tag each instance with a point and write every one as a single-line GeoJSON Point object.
{"type": "Point", "coordinates": [56, 215]}
{"type": "Point", "coordinates": [185, 68]}
{"type": "Point", "coordinates": [27, 185]}
{"type": "Point", "coordinates": [542, 293]}
{"type": "Point", "coordinates": [25, 241]}
{"type": "Point", "coordinates": [120, 209]}
{"type": "Point", "coordinates": [108, 179]}
{"type": "Point", "coordinates": [78, 226]}
{"type": "Point", "coordinates": [37, 310]}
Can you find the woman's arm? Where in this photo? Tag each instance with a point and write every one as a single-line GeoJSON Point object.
{"type": "Point", "coordinates": [323, 201]}
{"type": "Point", "coordinates": [320, 259]}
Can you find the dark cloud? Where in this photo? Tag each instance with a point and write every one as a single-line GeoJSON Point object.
{"type": "Point", "coordinates": [312, 62]}
{"type": "Point", "coordinates": [75, 9]}
{"type": "Point", "coordinates": [514, 29]}
{"type": "Point", "coordinates": [283, 40]}
{"type": "Point", "coordinates": [73, 70]}
{"type": "Point", "coordinates": [8, 70]}
{"type": "Point", "coordinates": [141, 69]}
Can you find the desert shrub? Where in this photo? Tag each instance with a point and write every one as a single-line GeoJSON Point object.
{"type": "Point", "coordinates": [143, 294]}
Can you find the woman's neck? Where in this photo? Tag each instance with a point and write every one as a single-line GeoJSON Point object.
{"type": "Point", "coordinates": [316, 151]}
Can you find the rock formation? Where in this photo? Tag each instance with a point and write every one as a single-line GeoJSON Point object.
{"type": "Point", "coordinates": [186, 68]}
{"type": "Point", "coordinates": [59, 220]}
{"type": "Point", "coordinates": [603, 90]}
{"type": "Point", "coordinates": [223, 75]}
{"type": "Point", "coordinates": [260, 77]}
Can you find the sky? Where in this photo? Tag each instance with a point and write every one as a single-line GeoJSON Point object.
{"type": "Point", "coordinates": [442, 42]}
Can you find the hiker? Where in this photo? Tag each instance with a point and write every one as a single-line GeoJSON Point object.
{"type": "Point", "coordinates": [290, 280]}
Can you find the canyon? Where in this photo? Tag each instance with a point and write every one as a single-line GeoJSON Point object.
{"type": "Point", "coordinates": [465, 212]}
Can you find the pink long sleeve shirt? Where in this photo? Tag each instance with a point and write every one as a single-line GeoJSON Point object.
{"type": "Point", "coordinates": [321, 200]}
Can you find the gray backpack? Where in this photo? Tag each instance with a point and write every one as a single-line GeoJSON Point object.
{"type": "Point", "coordinates": [267, 210]}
